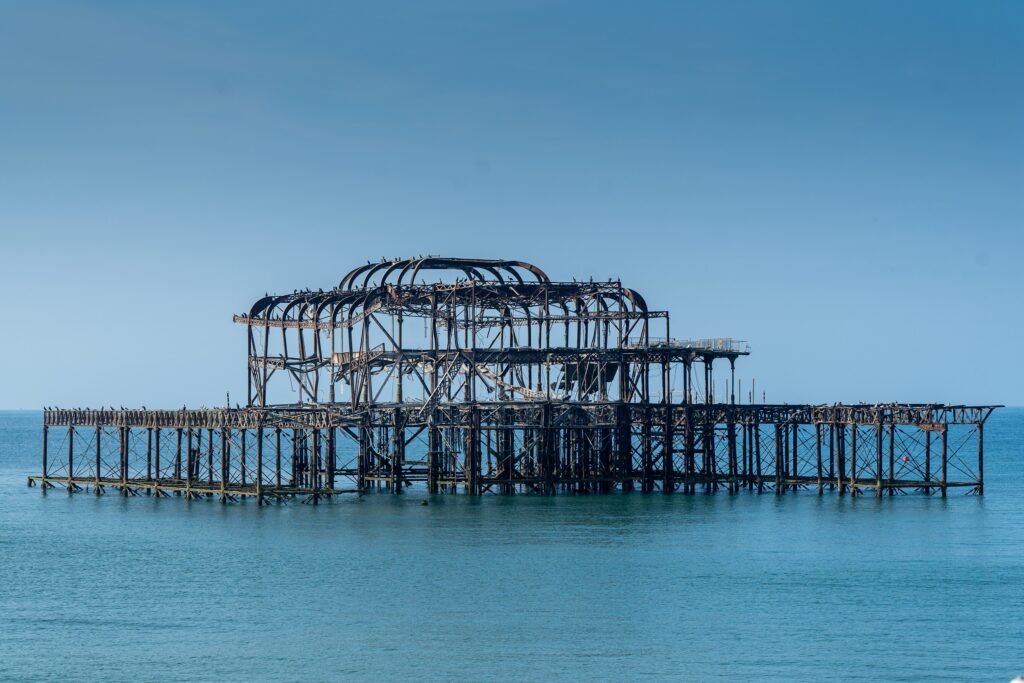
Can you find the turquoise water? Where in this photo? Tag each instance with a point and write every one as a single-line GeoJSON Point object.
{"type": "Point", "coordinates": [622, 587]}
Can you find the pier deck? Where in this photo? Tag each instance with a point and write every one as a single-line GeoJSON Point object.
{"type": "Point", "coordinates": [516, 447]}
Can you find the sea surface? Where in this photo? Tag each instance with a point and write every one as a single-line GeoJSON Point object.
{"type": "Point", "coordinates": [599, 588]}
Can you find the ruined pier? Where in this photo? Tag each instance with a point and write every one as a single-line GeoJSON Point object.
{"type": "Point", "coordinates": [485, 376]}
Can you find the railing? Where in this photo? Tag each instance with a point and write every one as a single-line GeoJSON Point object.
{"type": "Point", "coordinates": [717, 345]}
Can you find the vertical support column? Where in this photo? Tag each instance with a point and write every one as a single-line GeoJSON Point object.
{"type": "Point", "coordinates": [398, 449]}
{"type": "Point", "coordinates": [503, 449]}
{"type": "Point", "coordinates": [190, 464]}
{"type": "Point", "coordinates": [711, 453]}
{"type": "Point", "coordinates": [980, 488]}
{"type": "Point", "coordinates": [689, 457]}
{"type": "Point", "coordinates": [831, 456]}
{"type": "Point", "coordinates": [124, 460]}
{"type": "Point", "coordinates": [259, 465]}
{"type": "Point", "coordinates": [779, 461]}
{"type": "Point", "coordinates": [363, 457]}
{"type": "Point", "coordinates": [314, 466]}
{"type": "Point", "coordinates": [332, 457]}
{"type": "Point", "coordinates": [46, 464]}
{"type": "Point", "coordinates": [209, 460]}
{"type": "Point", "coordinates": [945, 457]}
{"type": "Point", "coordinates": [473, 459]}
{"type": "Point", "coordinates": [433, 443]}
{"type": "Point", "coordinates": [756, 433]}
{"type": "Point", "coordinates": [624, 442]}
{"type": "Point", "coordinates": [646, 464]}
{"type": "Point", "coordinates": [149, 455]}
{"type": "Point", "coordinates": [840, 430]}
{"type": "Point", "coordinates": [796, 460]}
{"type": "Point", "coordinates": [747, 460]}
{"type": "Point", "coordinates": [295, 483]}
{"type": "Point", "coordinates": [927, 461]}
{"type": "Point", "coordinates": [99, 435]}
{"type": "Point", "coordinates": [547, 450]}
{"type": "Point", "coordinates": [241, 458]}
{"type": "Point", "coordinates": [853, 459]}
{"type": "Point", "coordinates": [667, 478]}
{"type": "Point", "coordinates": [277, 457]}
{"type": "Point", "coordinates": [892, 457]}
{"type": "Point", "coordinates": [785, 455]}
{"type": "Point", "coordinates": [156, 461]}
{"type": "Point", "coordinates": [71, 460]}
{"type": "Point", "coordinates": [177, 455]}
{"type": "Point", "coordinates": [607, 469]}
{"type": "Point", "coordinates": [223, 463]}
{"type": "Point", "coordinates": [734, 485]}
{"type": "Point", "coordinates": [878, 455]}
{"type": "Point", "coordinates": [817, 448]}
{"type": "Point", "coordinates": [732, 380]}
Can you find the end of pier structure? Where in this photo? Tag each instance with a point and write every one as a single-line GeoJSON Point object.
{"type": "Point", "coordinates": [485, 376]}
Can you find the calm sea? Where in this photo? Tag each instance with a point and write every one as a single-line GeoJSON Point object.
{"type": "Point", "coordinates": [622, 587]}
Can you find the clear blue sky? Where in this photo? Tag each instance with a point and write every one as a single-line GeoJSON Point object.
{"type": "Point", "coordinates": [840, 183]}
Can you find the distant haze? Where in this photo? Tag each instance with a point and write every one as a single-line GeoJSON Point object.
{"type": "Point", "coordinates": [838, 183]}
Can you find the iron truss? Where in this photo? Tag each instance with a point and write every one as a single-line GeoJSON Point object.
{"type": "Point", "coordinates": [486, 376]}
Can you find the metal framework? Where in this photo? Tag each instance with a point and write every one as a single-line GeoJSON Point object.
{"type": "Point", "coordinates": [487, 376]}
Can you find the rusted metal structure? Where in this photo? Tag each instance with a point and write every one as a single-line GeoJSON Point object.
{"type": "Point", "coordinates": [486, 376]}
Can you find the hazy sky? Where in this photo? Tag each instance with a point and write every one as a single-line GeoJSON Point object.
{"type": "Point", "coordinates": [842, 184]}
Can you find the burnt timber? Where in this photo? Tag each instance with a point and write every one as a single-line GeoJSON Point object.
{"type": "Point", "coordinates": [485, 376]}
